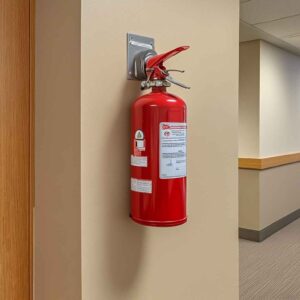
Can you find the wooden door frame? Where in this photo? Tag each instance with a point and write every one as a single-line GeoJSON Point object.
{"type": "Point", "coordinates": [17, 117]}
{"type": "Point", "coordinates": [32, 142]}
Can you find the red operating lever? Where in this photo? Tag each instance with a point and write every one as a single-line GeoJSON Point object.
{"type": "Point", "coordinates": [154, 65]}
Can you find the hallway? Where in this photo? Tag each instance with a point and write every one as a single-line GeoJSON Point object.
{"type": "Point", "coordinates": [271, 269]}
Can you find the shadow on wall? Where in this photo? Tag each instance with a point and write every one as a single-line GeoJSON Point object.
{"type": "Point", "coordinates": [124, 240]}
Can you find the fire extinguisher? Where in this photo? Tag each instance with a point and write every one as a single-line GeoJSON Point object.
{"type": "Point", "coordinates": [158, 145]}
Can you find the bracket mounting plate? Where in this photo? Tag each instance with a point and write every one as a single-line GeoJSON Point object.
{"type": "Point", "coordinates": [136, 44]}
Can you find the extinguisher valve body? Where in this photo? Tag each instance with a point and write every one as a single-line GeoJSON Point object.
{"type": "Point", "coordinates": [140, 64]}
{"type": "Point", "coordinates": [148, 66]}
{"type": "Point", "coordinates": [154, 83]}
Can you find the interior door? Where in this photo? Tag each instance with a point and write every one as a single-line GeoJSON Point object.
{"type": "Point", "coordinates": [16, 140]}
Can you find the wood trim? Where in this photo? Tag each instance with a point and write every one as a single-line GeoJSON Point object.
{"type": "Point", "coordinates": [16, 148]}
{"type": "Point", "coordinates": [32, 141]}
{"type": "Point", "coordinates": [15, 151]}
{"type": "Point", "coordinates": [268, 162]}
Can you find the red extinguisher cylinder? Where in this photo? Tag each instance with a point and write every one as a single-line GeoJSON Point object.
{"type": "Point", "coordinates": [158, 159]}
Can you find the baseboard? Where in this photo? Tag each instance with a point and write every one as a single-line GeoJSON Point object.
{"type": "Point", "coordinates": [260, 235]}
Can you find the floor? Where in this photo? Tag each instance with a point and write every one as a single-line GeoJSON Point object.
{"type": "Point", "coordinates": [270, 270]}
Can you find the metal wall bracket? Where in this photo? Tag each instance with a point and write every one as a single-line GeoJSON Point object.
{"type": "Point", "coordinates": [135, 45]}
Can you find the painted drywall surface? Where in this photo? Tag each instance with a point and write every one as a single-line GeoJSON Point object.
{"type": "Point", "coordinates": [275, 193]}
{"type": "Point", "coordinates": [249, 99]}
{"type": "Point", "coordinates": [267, 196]}
{"type": "Point", "coordinates": [279, 193]}
{"type": "Point", "coordinates": [123, 260]}
{"type": "Point", "coordinates": [249, 204]}
{"type": "Point", "coordinates": [279, 101]}
{"type": "Point", "coordinates": [57, 226]}
{"type": "Point", "coordinates": [269, 105]}
{"type": "Point", "coordinates": [249, 109]}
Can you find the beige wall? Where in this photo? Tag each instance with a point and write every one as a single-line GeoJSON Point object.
{"type": "Point", "coordinates": [120, 259]}
{"type": "Point", "coordinates": [249, 204]}
{"type": "Point", "coordinates": [271, 111]}
{"type": "Point", "coordinates": [58, 258]}
{"type": "Point", "coordinates": [269, 106]}
{"type": "Point", "coordinates": [267, 196]}
{"type": "Point", "coordinates": [249, 101]}
{"type": "Point", "coordinates": [82, 161]}
{"type": "Point", "coordinates": [279, 101]}
{"type": "Point", "coordinates": [279, 193]}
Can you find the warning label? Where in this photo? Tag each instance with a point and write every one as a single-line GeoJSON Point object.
{"type": "Point", "coordinates": [142, 186]}
{"type": "Point", "coordinates": [172, 150]}
{"type": "Point", "coordinates": [139, 135]}
{"type": "Point", "coordinates": [139, 161]}
{"type": "Point", "coordinates": [139, 140]}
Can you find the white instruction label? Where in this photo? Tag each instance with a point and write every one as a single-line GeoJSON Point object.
{"type": "Point", "coordinates": [172, 150]}
{"type": "Point", "coordinates": [139, 161]}
{"type": "Point", "coordinates": [142, 186]}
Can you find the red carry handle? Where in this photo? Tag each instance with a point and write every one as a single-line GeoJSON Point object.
{"type": "Point", "coordinates": [158, 60]}
{"type": "Point", "coordinates": [155, 63]}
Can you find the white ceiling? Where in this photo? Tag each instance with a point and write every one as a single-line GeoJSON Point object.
{"type": "Point", "coordinates": [277, 21]}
